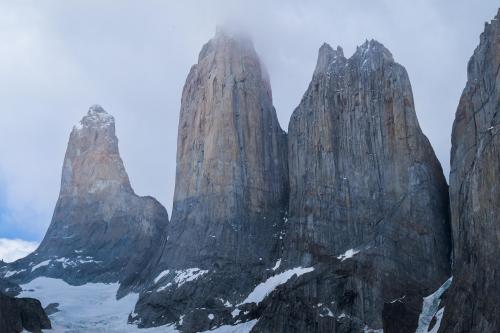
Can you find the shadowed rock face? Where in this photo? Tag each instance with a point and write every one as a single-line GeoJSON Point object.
{"type": "Point", "coordinates": [231, 189]}
{"type": "Point", "coordinates": [473, 302]}
{"type": "Point", "coordinates": [101, 230]}
{"type": "Point", "coordinates": [362, 177]}
{"type": "Point", "coordinates": [17, 314]}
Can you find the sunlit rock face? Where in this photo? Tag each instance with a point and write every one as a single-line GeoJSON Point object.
{"type": "Point", "coordinates": [473, 304]}
{"type": "Point", "coordinates": [231, 182]}
{"type": "Point", "coordinates": [231, 191]}
{"type": "Point", "coordinates": [101, 230]}
{"type": "Point", "coordinates": [368, 199]}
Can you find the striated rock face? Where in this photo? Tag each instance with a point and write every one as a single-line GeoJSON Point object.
{"type": "Point", "coordinates": [231, 190]}
{"type": "Point", "coordinates": [231, 181]}
{"type": "Point", "coordinates": [368, 199]}
{"type": "Point", "coordinates": [101, 230]}
{"type": "Point", "coordinates": [473, 302]}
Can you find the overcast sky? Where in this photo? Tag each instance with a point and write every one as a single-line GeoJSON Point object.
{"type": "Point", "coordinates": [132, 57]}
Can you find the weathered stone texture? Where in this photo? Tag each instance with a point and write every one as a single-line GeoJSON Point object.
{"type": "Point", "coordinates": [473, 301]}
{"type": "Point", "coordinates": [231, 191]}
{"type": "Point", "coordinates": [364, 177]}
{"type": "Point", "coordinates": [101, 230]}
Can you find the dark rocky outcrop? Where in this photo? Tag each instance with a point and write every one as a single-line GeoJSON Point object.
{"type": "Point", "coordinates": [231, 189]}
{"type": "Point", "coordinates": [473, 301]}
{"type": "Point", "coordinates": [17, 314]}
{"type": "Point", "coordinates": [101, 230]}
{"type": "Point", "coordinates": [365, 188]}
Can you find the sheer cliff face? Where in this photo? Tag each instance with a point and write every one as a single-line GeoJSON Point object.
{"type": "Point", "coordinates": [231, 191]}
{"type": "Point", "coordinates": [364, 178]}
{"type": "Point", "coordinates": [231, 182]}
{"type": "Point", "coordinates": [98, 219]}
{"type": "Point", "coordinates": [474, 301]}
{"type": "Point", "coordinates": [362, 174]}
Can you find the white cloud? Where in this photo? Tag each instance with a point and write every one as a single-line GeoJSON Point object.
{"type": "Point", "coordinates": [13, 249]}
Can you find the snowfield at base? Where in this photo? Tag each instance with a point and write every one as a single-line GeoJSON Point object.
{"type": "Point", "coordinates": [91, 308]}
{"type": "Point", "coordinates": [430, 309]}
{"type": "Point", "coordinates": [239, 328]}
{"type": "Point", "coordinates": [265, 288]}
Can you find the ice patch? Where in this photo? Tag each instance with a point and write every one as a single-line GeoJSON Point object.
{"type": "Point", "coordinates": [265, 288]}
{"type": "Point", "coordinates": [348, 254]}
{"type": "Point", "coordinates": [161, 275]}
{"type": "Point", "coordinates": [430, 309]}
{"type": "Point", "coordinates": [239, 328]}
{"type": "Point", "coordinates": [92, 307]}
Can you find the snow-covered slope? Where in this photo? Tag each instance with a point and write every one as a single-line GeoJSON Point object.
{"type": "Point", "coordinates": [92, 307]}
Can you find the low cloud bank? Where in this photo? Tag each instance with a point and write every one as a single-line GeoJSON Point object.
{"type": "Point", "coordinates": [13, 249]}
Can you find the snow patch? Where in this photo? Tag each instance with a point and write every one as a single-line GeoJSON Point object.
{"type": "Point", "coordinates": [235, 312]}
{"type": "Point", "coordinates": [366, 329]}
{"type": "Point", "coordinates": [11, 273]}
{"type": "Point", "coordinates": [348, 254]}
{"type": "Point", "coordinates": [92, 307]}
{"type": "Point", "coordinates": [164, 287]}
{"type": "Point", "coordinates": [42, 264]}
{"type": "Point", "coordinates": [277, 265]}
{"type": "Point", "coordinates": [187, 275]}
{"type": "Point", "coordinates": [239, 328]}
{"type": "Point", "coordinates": [161, 275]}
{"type": "Point", "coordinates": [430, 309]}
{"type": "Point", "coordinates": [265, 288]}
{"type": "Point", "coordinates": [211, 316]}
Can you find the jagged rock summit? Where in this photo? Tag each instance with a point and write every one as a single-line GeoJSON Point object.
{"type": "Point", "coordinates": [231, 191]}
{"type": "Point", "coordinates": [473, 303]}
{"type": "Point", "coordinates": [101, 230]}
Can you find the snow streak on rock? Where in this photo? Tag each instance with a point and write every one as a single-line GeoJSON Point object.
{"type": "Point", "coordinates": [265, 288]}
{"type": "Point", "coordinates": [430, 310]}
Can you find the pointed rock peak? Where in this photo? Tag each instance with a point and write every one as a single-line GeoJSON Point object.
{"type": "Point", "coordinates": [227, 37]}
{"type": "Point", "coordinates": [326, 56]}
{"type": "Point", "coordinates": [96, 108]}
{"type": "Point", "coordinates": [372, 49]}
{"type": "Point", "coordinates": [96, 117]}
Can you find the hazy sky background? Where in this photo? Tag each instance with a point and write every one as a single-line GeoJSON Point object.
{"type": "Point", "coordinates": [132, 57]}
